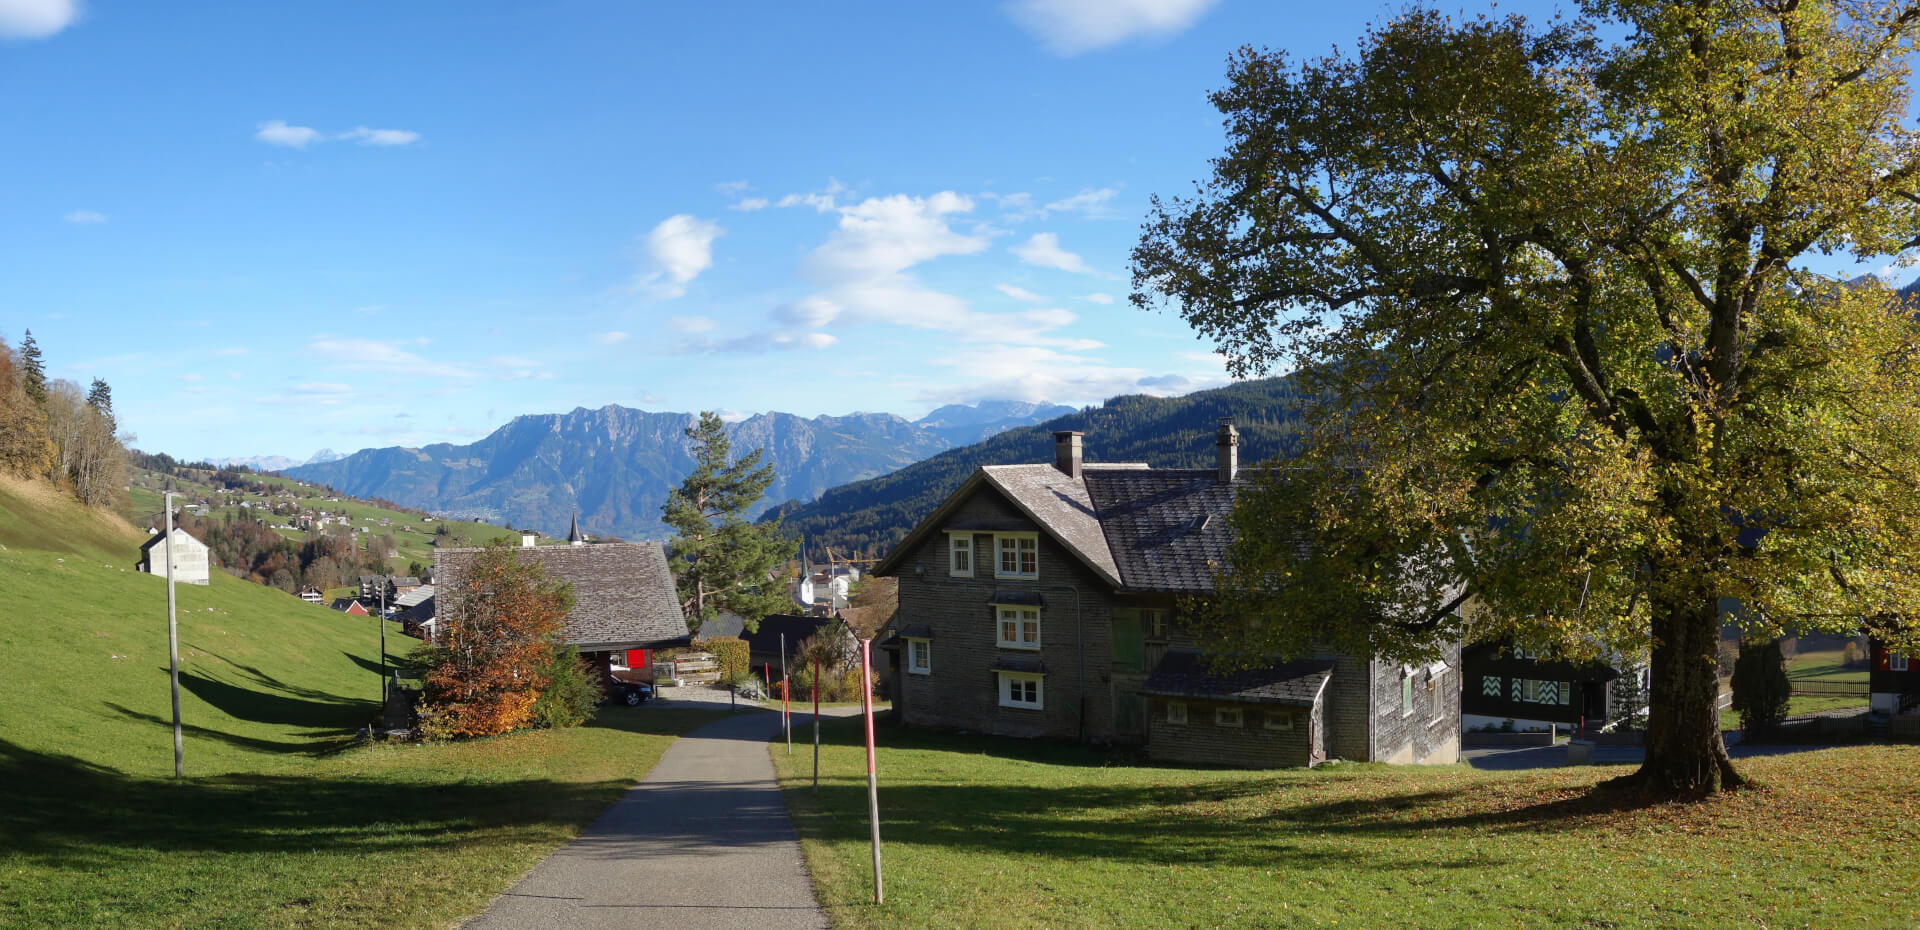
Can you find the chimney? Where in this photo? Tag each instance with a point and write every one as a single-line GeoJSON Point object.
{"type": "Point", "coordinates": [1226, 445]}
{"type": "Point", "coordinates": [1066, 452]}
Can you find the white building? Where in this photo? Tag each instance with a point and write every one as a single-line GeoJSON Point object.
{"type": "Point", "coordinates": [190, 559]}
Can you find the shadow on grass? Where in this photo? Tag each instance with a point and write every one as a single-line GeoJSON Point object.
{"type": "Point", "coordinates": [315, 744]}
{"type": "Point", "coordinates": [78, 815]}
{"type": "Point", "coordinates": [1259, 820]}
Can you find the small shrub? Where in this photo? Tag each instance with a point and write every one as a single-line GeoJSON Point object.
{"type": "Point", "coordinates": [1760, 688]}
{"type": "Point", "coordinates": [731, 652]}
{"type": "Point", "coordinates": [573, 693]}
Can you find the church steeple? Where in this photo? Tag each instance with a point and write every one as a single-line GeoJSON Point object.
{"type": "Point", "coordinates": [573, 533]}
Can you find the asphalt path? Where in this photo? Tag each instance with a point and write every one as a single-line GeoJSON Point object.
{"type": "Point", "coordinates": [703, 842]}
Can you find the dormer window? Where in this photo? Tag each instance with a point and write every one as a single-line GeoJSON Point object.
{"type": "Point", "coordinates": [1019, 555]}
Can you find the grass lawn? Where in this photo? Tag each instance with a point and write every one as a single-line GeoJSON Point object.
{"type": "Point", "coordinates": [283, 820]}
{"type": "Point", "coordinates": [1824, 665]}
{"type": "Point", "coordinates": [988, 832]}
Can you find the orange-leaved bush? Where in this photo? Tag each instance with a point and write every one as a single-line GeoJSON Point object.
{"type": "Point", "coordinates": [487, 667]}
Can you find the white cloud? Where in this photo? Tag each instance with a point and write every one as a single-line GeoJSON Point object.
{"type": "Point", "coordinates": [730, 188]}
{"type": "Point", "coordinates": [83, 217]}
{"type": "Point", "coordinates": [365, 136]}
{"type": "Point", "coordinates": [610, 337]}
{"type": "Point", "coordinates": [380, 355]}
{"type": "Point", "coordinates": [1070, 27]}
{"type": "Point", "coordinates": [1020, 293]}
{"type": "Point", "coordinates": [1044, 250]}
{"type": "Point", "coordinates": [277, 132]}
{"type": "Point", "coordinates": [691, 324]}
{"type": "Point", "coordinates": [1089, 202]}
{"type": "Point", "coordinates": [678, 250]}
{"type": "Point", "coordinates": [36, 19]}
{"type": "Point", "coordinates": [758, 343]}
{"type": "Point", "coordinates": [811, 312]}
{"type": "Point", "coordinates": [750, 204]}
{"type": "Point", "coordinates": [883, 236]}
{"type": "Point", "coordinates": [1102, 299]}
{"type": "Point", "coordinates": [821, 201]}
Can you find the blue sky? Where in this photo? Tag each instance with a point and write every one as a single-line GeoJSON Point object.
{"type": "Point", "coordinates": [276, 227]}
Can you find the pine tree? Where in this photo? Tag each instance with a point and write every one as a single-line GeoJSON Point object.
{"type": "Point", "coordinates": [33, 373]}
{"type": "Point", "coordinates": [724, 562]}
{"type": "Point", "coordinates": [100, 397]}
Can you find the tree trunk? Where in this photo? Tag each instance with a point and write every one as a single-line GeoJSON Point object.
{"type": "Point", "coordinates": [1686, 758]}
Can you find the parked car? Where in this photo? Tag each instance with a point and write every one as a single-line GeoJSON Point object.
{"type": "Point", "coordinates": [630, 693]}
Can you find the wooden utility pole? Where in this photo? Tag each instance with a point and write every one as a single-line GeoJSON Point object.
{"type": "Point", "coordinates": [173, 645]}
{"type": "Point", "coordinates": [786, 705]}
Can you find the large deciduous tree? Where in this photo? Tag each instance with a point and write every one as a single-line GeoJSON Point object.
{"type": "Point", "coordinates": [1556, 284]}
{"type": "Point", "coordinates": [721, 560]}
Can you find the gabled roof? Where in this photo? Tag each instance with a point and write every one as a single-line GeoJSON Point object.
{"type": "Point", "coordinates": [795, 628]}
{"type": "Point", "coordinates": [1184, 673]}
{"type": "Point", "coordinates": [623, 593]}
{"type": "Point", "coordinates": [187, 539]}
{"type": "Point", "coordinates": [1055, 503]}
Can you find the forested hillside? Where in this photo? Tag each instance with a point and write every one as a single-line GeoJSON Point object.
{"type": "Point", "coordinates": [870, 516]}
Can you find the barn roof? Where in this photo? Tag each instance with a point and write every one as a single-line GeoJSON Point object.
{"type": "Point", "coordinates": [624, 597]}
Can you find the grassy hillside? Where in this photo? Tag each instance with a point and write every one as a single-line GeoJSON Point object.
{"type": "Point", "coordinates": [283, 819]}
{"type": "Point", "coordinates": [870, 516]}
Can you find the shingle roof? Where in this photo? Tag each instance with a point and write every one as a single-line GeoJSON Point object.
{"type": "Point", "coordinates": [1184, 673]}
{"type": "Point", "coordinates": [1166, 527]}
{"type": "Point", "coordinates": [795, 628]}
{"type": "Point", "coordinates": [623, 593]}
{"type": "Point", "coordinates": [1061, 503]}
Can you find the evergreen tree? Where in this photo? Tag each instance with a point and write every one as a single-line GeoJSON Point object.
{"type": "Point", "coordinates": [724, 562]}
{"type": "Point", "coordinates": [100, 397]}
{"type": "Point", "coordinates": [33, 373]}
{"type": "Point", "coordinates": [1760, 687]}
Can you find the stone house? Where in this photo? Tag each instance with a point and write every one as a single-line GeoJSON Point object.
{"type": "Point", "coordinates": [1042, 601]}
{"type": "Point", "coordinates": [192, 563]}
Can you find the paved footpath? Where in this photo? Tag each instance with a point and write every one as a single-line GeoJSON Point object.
{"type": "Point", "coordinates": [703, 842]}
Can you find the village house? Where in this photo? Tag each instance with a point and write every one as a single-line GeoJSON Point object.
{"type": "Point", "coordinates": [1502, 686]}
{"type": "Point", "coordinates": [1042, 601]}
{"type": "Point", "coordinates": [192, 563]}
{"type": "Point", "coordinates": [624, 597]}
{"type": "Point", "coordinates": [1893, 680]}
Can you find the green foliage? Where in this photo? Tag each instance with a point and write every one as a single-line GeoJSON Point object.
{"type": "Point", "coordinates": [837, 683]}
{"type": "Point", "coordinates": [731, 652]}
{"type": "Point", "coordinates": [1761, 690]}
{"type": "Point", "coordinates": [871, 516]}
{"type": "Point", "coordinates": [573, 693]}
{"type": "Point", "coordinates": [1553, 281]}
{"type": "Point", "coordinates": [721, 561]}
{"type": "Point", "coordinates": [33, 371]}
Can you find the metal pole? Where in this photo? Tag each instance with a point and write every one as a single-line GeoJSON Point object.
{"type": "Point", "coordinates": [873, 782]}
{"type": "Point", "coordinates": [173, 647]}
{"type": "Point", "coordinates": [381, 620]}
{"type": "Point", "coordinates": [786, 705]}
{"type": "Point", "coordinates": [816, 724]}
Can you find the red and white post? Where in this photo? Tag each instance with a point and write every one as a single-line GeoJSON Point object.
{"type": "Point", "coordinates": [873, 782]}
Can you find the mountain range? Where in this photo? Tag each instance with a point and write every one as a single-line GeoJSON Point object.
{"type": "Point", "coordinates": [278, 462]}
{"type": "Point", "coordinates": [1166, 432]}
{"type": "Point", "coordinates": [614, 466]}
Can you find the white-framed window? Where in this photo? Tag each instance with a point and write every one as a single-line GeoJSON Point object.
{"type": "Point", "coordinates": [1228, 717]}
{"type": "Point", "coordinates": [1279, 720]}
{"type": "Point", "coordinates": [1177, 712]}
{"type": "Point", "coordinates": [1897, 662]}
{"type": "Point", "coordinates": [1019, 627]}
{"type": "Point", "coordinates": [920, 656]}
{"type": "Point", "coordinates": [1406, 694]}
{"type": "Point", "coordinates": [1019, 555]}
{"type": "Point", "coordinates": [960, 555]}
{"type": "Point", "coordinates": [1025, 690]}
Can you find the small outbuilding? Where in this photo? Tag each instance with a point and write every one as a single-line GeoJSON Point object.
{"type": "Point", "coordinates": [191, 560]}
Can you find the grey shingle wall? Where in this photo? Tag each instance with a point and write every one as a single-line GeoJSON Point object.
{"type": "Point", "coordinates": [962, 692]}
{"type": "Point", "coordinates": [1250, 745]}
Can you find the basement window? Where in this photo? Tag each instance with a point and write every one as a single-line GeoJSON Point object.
{"type": "Point", "coordinates": [1022, 690]}
{"type": "Point", "coordinates": [1279, 720]}
{"type": "Point", "coordinates": [1228, 717]}
{"type": "Point", "coordinates": [1177, 713]}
